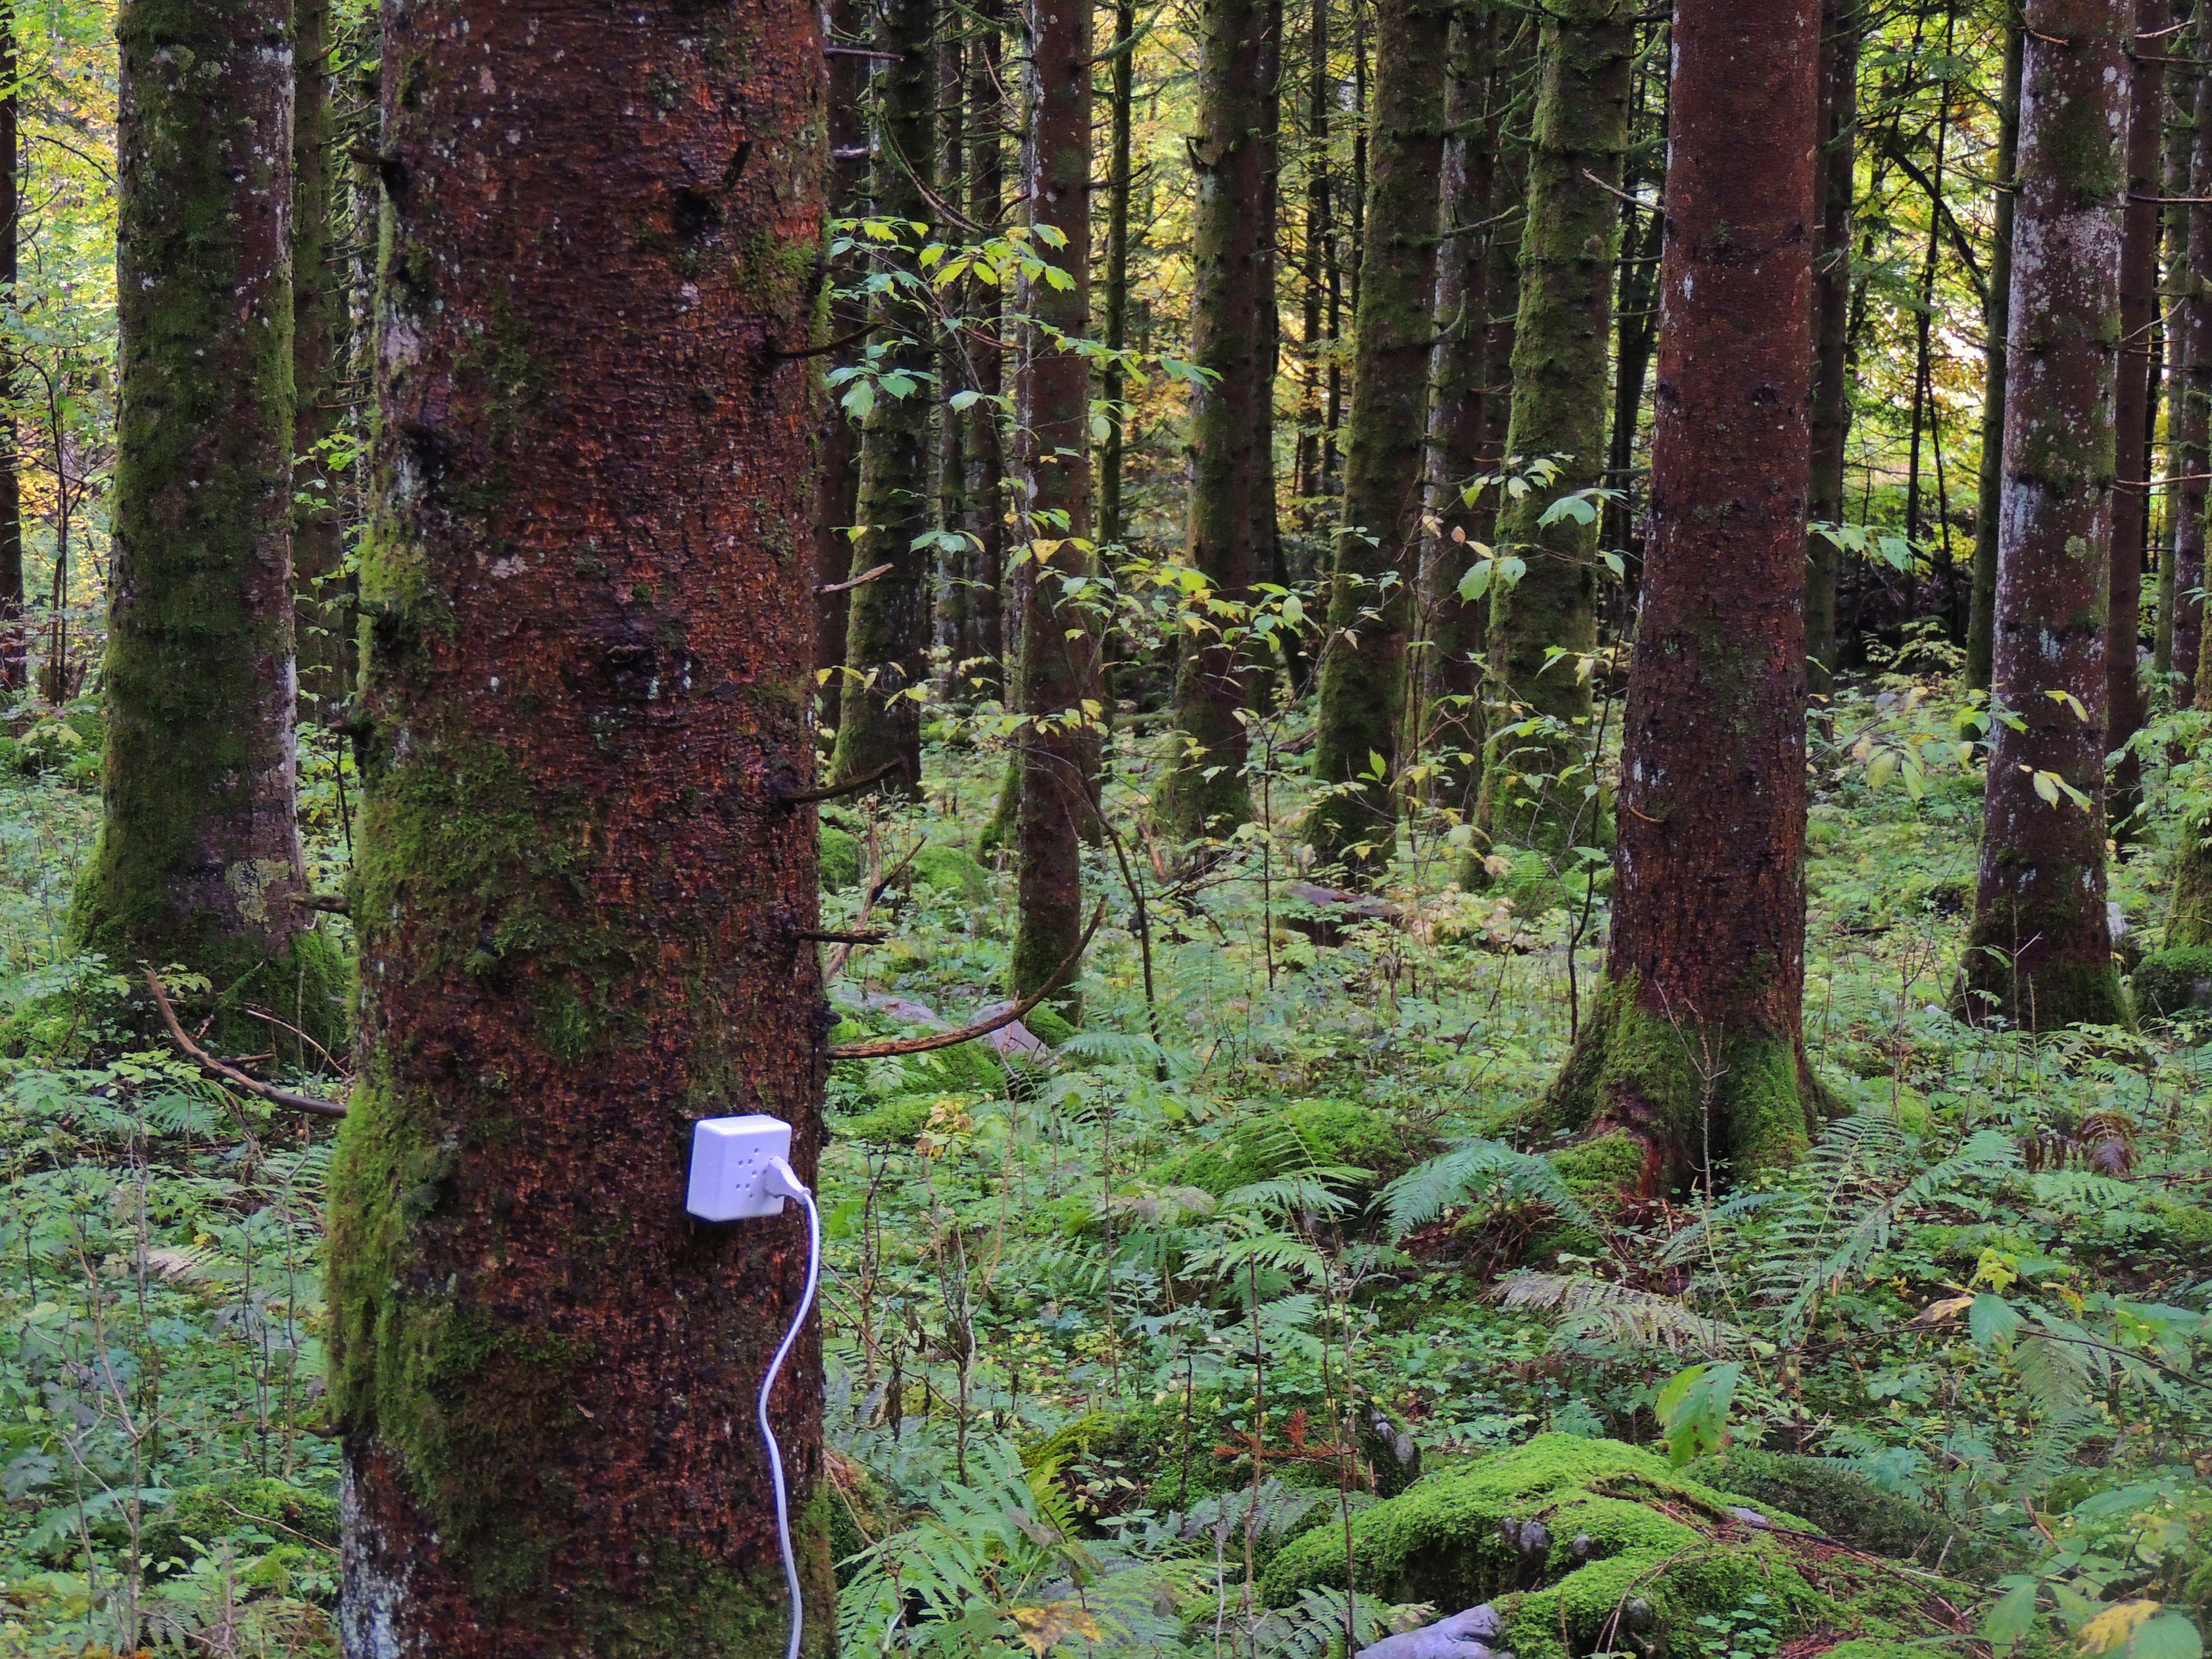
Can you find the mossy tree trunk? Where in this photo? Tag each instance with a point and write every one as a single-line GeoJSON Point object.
{"type": "Point", "coordinates": [323, 617]}
{"type": "Point", "coordinates": [837, 439]}
{"type": "Point", "coordinates": [199, 858]}
{"type": "Point", "coordinates": [1997, 312]}
{"type": "Point", "coordinates": [1538, 789]}
{"type": "Point", "coordinates": [1842, 29]}
{"type": "Point", "coordinates": [1695, 1042]}
{"type": "Point", "coordinates": [580, 894]}
{"type": "Point", "coordinates": [2132, 406]}
{"type": "Point", "coordinates": [1059, 738]}
{"type": "Point", "coordinates": [2189, 423]}
{"type": "Point", "coordinates": [1459, 366]}
{"type": "Point", "coordinates": [983, 444]}
{"type": "Point", "coordinates": [2039, 953]}
{"type": "Point", "coordinates": [887, 620]}
{"type": "Point", "coordinates": [1363, 669]}
{"type": "Point", "coordinates": [1232, 332]}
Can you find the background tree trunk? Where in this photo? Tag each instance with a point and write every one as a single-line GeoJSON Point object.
{"type": "Point", "coordinates": [580, 899]}
{"type": "Point", "coordinates": [1231, 336]}
{"type": "Point", "coordinates": [837, 437]}
{"type": "Point", "coordinates": [887, 621]}
{"type": "Point", "coordinates": [323, 617]}
{"type": "Point", "coordinates": [1996, 313]}
{"type": "Point", "coordinates": [199, 858]}
{"type": "Point", "coordinates": [13, 653]}
{"type": "Point", "coordinates": [1113, 382]}
{"type": "Point", "coordinates": [1533, 775]}
{"type": "Point", "coordinates": [983, 443]}
{"type": "Point", "coordinates": [2039, 954]}
{"type": "Point", "coordinates": [1363, 669]}
{"type": "Point", "coordinates": [1060, 650]}
{"type": "Point", "coordinates": [1842, 26]}
{"type": "Point", "coordinates": [1695, 1044]}
{"type": "Point", "coordinates": [2190, 421]}
{"type": "Point", "coordinates": [2181, 88]}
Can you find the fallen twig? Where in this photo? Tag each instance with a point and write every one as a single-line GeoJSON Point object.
{"type": "Point", "coordinates": [231, 1074]}
{"type": "Point", "coordinates": [885, 1047]}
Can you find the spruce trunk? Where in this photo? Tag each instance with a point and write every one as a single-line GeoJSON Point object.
{"type": "Point", "coordinates": [1538, 786]}
{"type": "Point", "coordinates": [1204, 794]}
{"type": "Point", "coordinates": [2039, 954]}
{"type": "Point", "coordinates": [887, 620]}
{"type": "Point", "coordinates": [199, 858]}
{"type": "Point", "coordinates": [1694, 1046]}
{"type": "Point", "coordinates": [837, 439]}
{"type": "Point", "coordinates": [2190, 422]}
{"type": "Point", "coordinates": [1997, 312]}
{"type": "Point", "coordinates": [582, 896]}
{"type": "Point", "coordinates": [1362, 671]}
{"type": "Point", "coordinates": [1059, 737]}
{"type": "Point", "coordinates": [1842, 27]}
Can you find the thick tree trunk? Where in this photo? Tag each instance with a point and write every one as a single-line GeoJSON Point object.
{"type": "Point", "coordinates": [582, 900]}
{"type": "Point", "coordinates": [1996, 313]}
{"type": "Point", "coordinates": [1459, 370]}
{"type": "Point", "coordinates": [887, 621]}
{"type": "Point", "coordinates": [2039, 954]}
{"type": "Point", "coordinates": [1232, 475]}
{"type": "Point", "coordinates": [1363, 669]}
{"type": "Point", "coordinates": [12, 636]}
{"type": "Point", "coordinates": [983, 444]}
{"type": "Point", "coordinates": [199, 858]}
{"type": "Point", "coordinates": [2190, 422]}
{"type": "Point", "coordinates": [1695, 1044]}
{"type": "Point", "coordinates": [1059, 738]}
{"type": "Point", "coordinates": [837, 439]}
{"type": "Point", "coordinates": [324, 617]}
{"type": "Point", "coordinates": [1842, 27]}
{"type": "Point", "coordinates": [1536, 775]}
{"type": "Point", "coordinates": [2132, 406]}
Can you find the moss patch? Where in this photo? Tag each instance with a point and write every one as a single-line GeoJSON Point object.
{"type": "Point", "coordinates": [1842, 1502]}
{"type": "Point", "coordinates": [1304, 1134]}
{"type": "Point", "coordinates": [2167, 982]}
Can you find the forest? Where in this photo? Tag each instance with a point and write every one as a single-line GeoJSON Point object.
{"type": "Point", "coordinates": [1156, 829]}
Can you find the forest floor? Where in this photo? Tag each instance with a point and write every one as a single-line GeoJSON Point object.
{"type": "Point", "coordinates": [1270, 1196]}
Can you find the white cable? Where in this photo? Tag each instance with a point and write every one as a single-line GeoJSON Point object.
{"type": "Point", "coordinates": [782, 1179]}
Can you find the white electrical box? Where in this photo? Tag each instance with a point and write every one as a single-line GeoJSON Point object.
{"type": "Point", "coordinates": [730, 1158]}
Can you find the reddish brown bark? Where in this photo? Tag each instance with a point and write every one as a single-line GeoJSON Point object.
{"type": "Point", "coordinates": [1697, 1041]}
{"type": "Point", "coordinates": [582, 899]}
{"type": "Point", "coordinates": [2123, 704]}
{"type": "Point", "coordinates": [2040, 952]}
{"type": "Point", "coordinates": [1059, 648]}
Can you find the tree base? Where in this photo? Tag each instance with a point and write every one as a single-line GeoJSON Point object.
{"type": "Point", "coordinates": [1693, 1097]}
{"type": "Point", "coordinates": [2057, 992]}
{"type": "Point", "coordinates": [2189, 923]}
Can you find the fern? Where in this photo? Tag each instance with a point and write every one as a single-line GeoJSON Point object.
{"type": "Point", "coordinates": [1323, 1616]}
{"type": "Point", "coordinates": [1427, 1190]}
{"type": "Point", "coordinates": [1597, 1309]}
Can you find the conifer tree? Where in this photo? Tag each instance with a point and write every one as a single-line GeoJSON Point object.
{"type": "Point", "coordinates": [1842, 25]}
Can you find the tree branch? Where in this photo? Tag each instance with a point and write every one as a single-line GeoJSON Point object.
{"type": "Point", "coordinates": [850, 786]}
{"type": "Point", "coordinates": [231, 1074]}
{"type": "Point", "coordinates": [886, 1046]}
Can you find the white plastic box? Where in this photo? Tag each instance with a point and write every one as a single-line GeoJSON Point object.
{"type": "Point", "coordinates": [729, 1160]}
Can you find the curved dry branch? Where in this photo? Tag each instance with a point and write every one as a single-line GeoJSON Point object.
{"type": "Point", "coordinates": [885, 1047]}
{"type": "Point", "coordinates": [231, 1074]}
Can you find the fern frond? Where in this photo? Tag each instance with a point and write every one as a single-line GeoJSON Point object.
{"type": "Point", "coordinates": [1323, 1616]}
{"type": "Point", "coordinates": [2052, 1371]}
{"type": "Point", "coordinates": [1598, 1309]}
{"type": "Point", "coordinates": [1428, 1189]}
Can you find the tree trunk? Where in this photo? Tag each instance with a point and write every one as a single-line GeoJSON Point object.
{"type": "Point", "coordinates": [581, 901]}
{"type": "Point", "coordinates": [1233, 338]}
{"type": "Point", "coordinates": [1636, 333]}
{"type": "Point", "coordinates": [1113, 382]}
{"type": "Point", "coordinates": [1535, 777]}
{"type": "Point", "coordinates": [1363, 670]}
{"type": "Point", "coordinates": [1059, 739]}
{"type": "Point", "coordinates": [2039, 954]}
{"type": "Point", "coordinates": [324, 618]}
{"type": "Point", "coordinates": [837, 439]}
{"type": "Point", "coordinates": [887, 622]}
{"type": "Point", "coordinates": [13, 651]}
{"type": "Point", "coordinates": [2132, 406]}
{"type": "Point", "coordinates": [1695, 1044]}
{"type": "Point", "coordinates": [199, 858]}
{"type": "Point", "coordinates": [1458, 372]}
{"type": "Point", "coordinates": [2190, 422]}
{"type": "Point", "coordinates": [1842, 27]}
{"type": "Point", "coordinates": [1313, 433]}
{"type": "Point", "coordinates": [954, 553]}
{"type": "Point", "coordinates": [2182, 78]}
{"type": "Point", "coordinates": [1996, 313]}
{"type": "Point", "coordinates": [983, 444]}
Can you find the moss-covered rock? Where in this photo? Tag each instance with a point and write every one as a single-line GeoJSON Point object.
{"type": "Point", "coordinates": [1842, 1502]}
{"type": "Point", "coordinates": [2168, 982]}
{"type": "Point", "coordinates": [1566, 1535]}
{"type": "Point", "coordinates": [1614, 1163]}
{"type": "Point", "coordinates": [251, 1515]}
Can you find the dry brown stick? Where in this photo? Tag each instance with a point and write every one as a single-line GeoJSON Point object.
{"type": "Point", "coordinates": [869, 895]}
{"type": "Point", "coordinates": [231, 1074]}
{"type": "Point", "coordinates": [861, 581]}
{"type": "Point", "coordinates": [888, 1046]}
{"type": "Point", "coordinates": [850, 786]}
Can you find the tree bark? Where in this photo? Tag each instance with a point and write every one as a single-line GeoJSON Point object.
{"type": "Point", "coordinates": [2182, 79]}
{"type": "Point", "coordinates": [887, 621]}
{"type": "Point", "coordinates": [1695, 1045]}
{"type": "Point", "coordinates": [954, 584]}
{"type": "Point", "coordinates": [324, 617]}
{"type": "Point", "coordinates": [13, 640]}
{"type": "Point", "coordinates": [199, 858]}
{"type": "Point", "coordinates": [1842, 27]}
{"type": "Point", "coordinates": [1114, 383]}
{"type": "Point", "coordinates": [1537, 782]}
{"type": "Point", "coordinates": [983, 444]}
{"type": "Point", "coordinates": [1203, 793]}
{"type": "Point", "coordinates": [2131, 407]}
{"type": "Point", "coordinates": [2190, 422]}
{"type": "Point", "coordinates": [837, 439]}
{"type": "Point", "coordinates": [2039, 954]}
{"type": "Point", "coordinates": [1059, 737]}
{"type": "Point", "coordinates": [582, 900]}
{"type": "Point", "coordinates": [1363, 670]}
{"type": "Point", "coordinates": [1996, 313]}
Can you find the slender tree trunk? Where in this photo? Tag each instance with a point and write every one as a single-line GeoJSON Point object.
{"type": "Point", "coordinates": [1458, 371]}
{"type": "Point", "coordinates": [983, 445]}
{"type": "Point", "coordinates": [2190, 423]}
{"type": "Point", "coordinates": [199, 857]}
{"type": "Point", "coordinates": [1312, 430]}
{"type": "Point", "coordinates": [2039, 954]}
{"type": "Point", "coordinates": [1535, 775]}
{"type": "Point", "coordinates": [13, 643]}
{"type": "Point", "coordinates": [1059, 737]}
{"type": "Point", "coordinates": [1508, 190]}
{"type": "Point", "coordinates": [2181, 149]}
{"type": "Point", "coordinates": [1842, 28]}
{"type": "Point", "coordinates": [837, 437]}
{"type": "Point", "coordinates": [954, 553]}
{"type": "Point", "coordinates": [2131, 416]}
{"type": "Point", "coordinates": [1996, 313]}
{"type": "Point", "coordinates": [1363, 670]}
{"type": "Point", "coordinates": [582, 900]}
{"type": "Point", "coordinates": [1696, 1043]}
{"type": "Point", "coordinates": [1636, 331]}
{"type": "Point", "coordinates": [1114, 384]}
{"type": "Point", "coordinates": [887, 622]}
{"type": "Point", "coordinates": [1232, 339]}
{"type": "Point", "coordinates": [323, 619]}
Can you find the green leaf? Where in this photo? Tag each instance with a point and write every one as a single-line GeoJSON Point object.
{"type": "Point", "coordinates": [2012, 1616]}
{"type": "Point", "coordinates": [1581, 511]}
{"type": "Point", "coordinates": [1993, 1320]}
{"type": "Point", "coordinates": [1694, 1409]}
{"type": "Point", "coordinates": [2169, 1635]}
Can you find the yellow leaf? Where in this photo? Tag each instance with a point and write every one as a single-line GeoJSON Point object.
{"type": "Point", "coordinates": [2112, 1627]}
{"type": "Point", "coordinates": [1055, 1621]}
{"type": "Point", "coordinates": [1949, 1307]}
